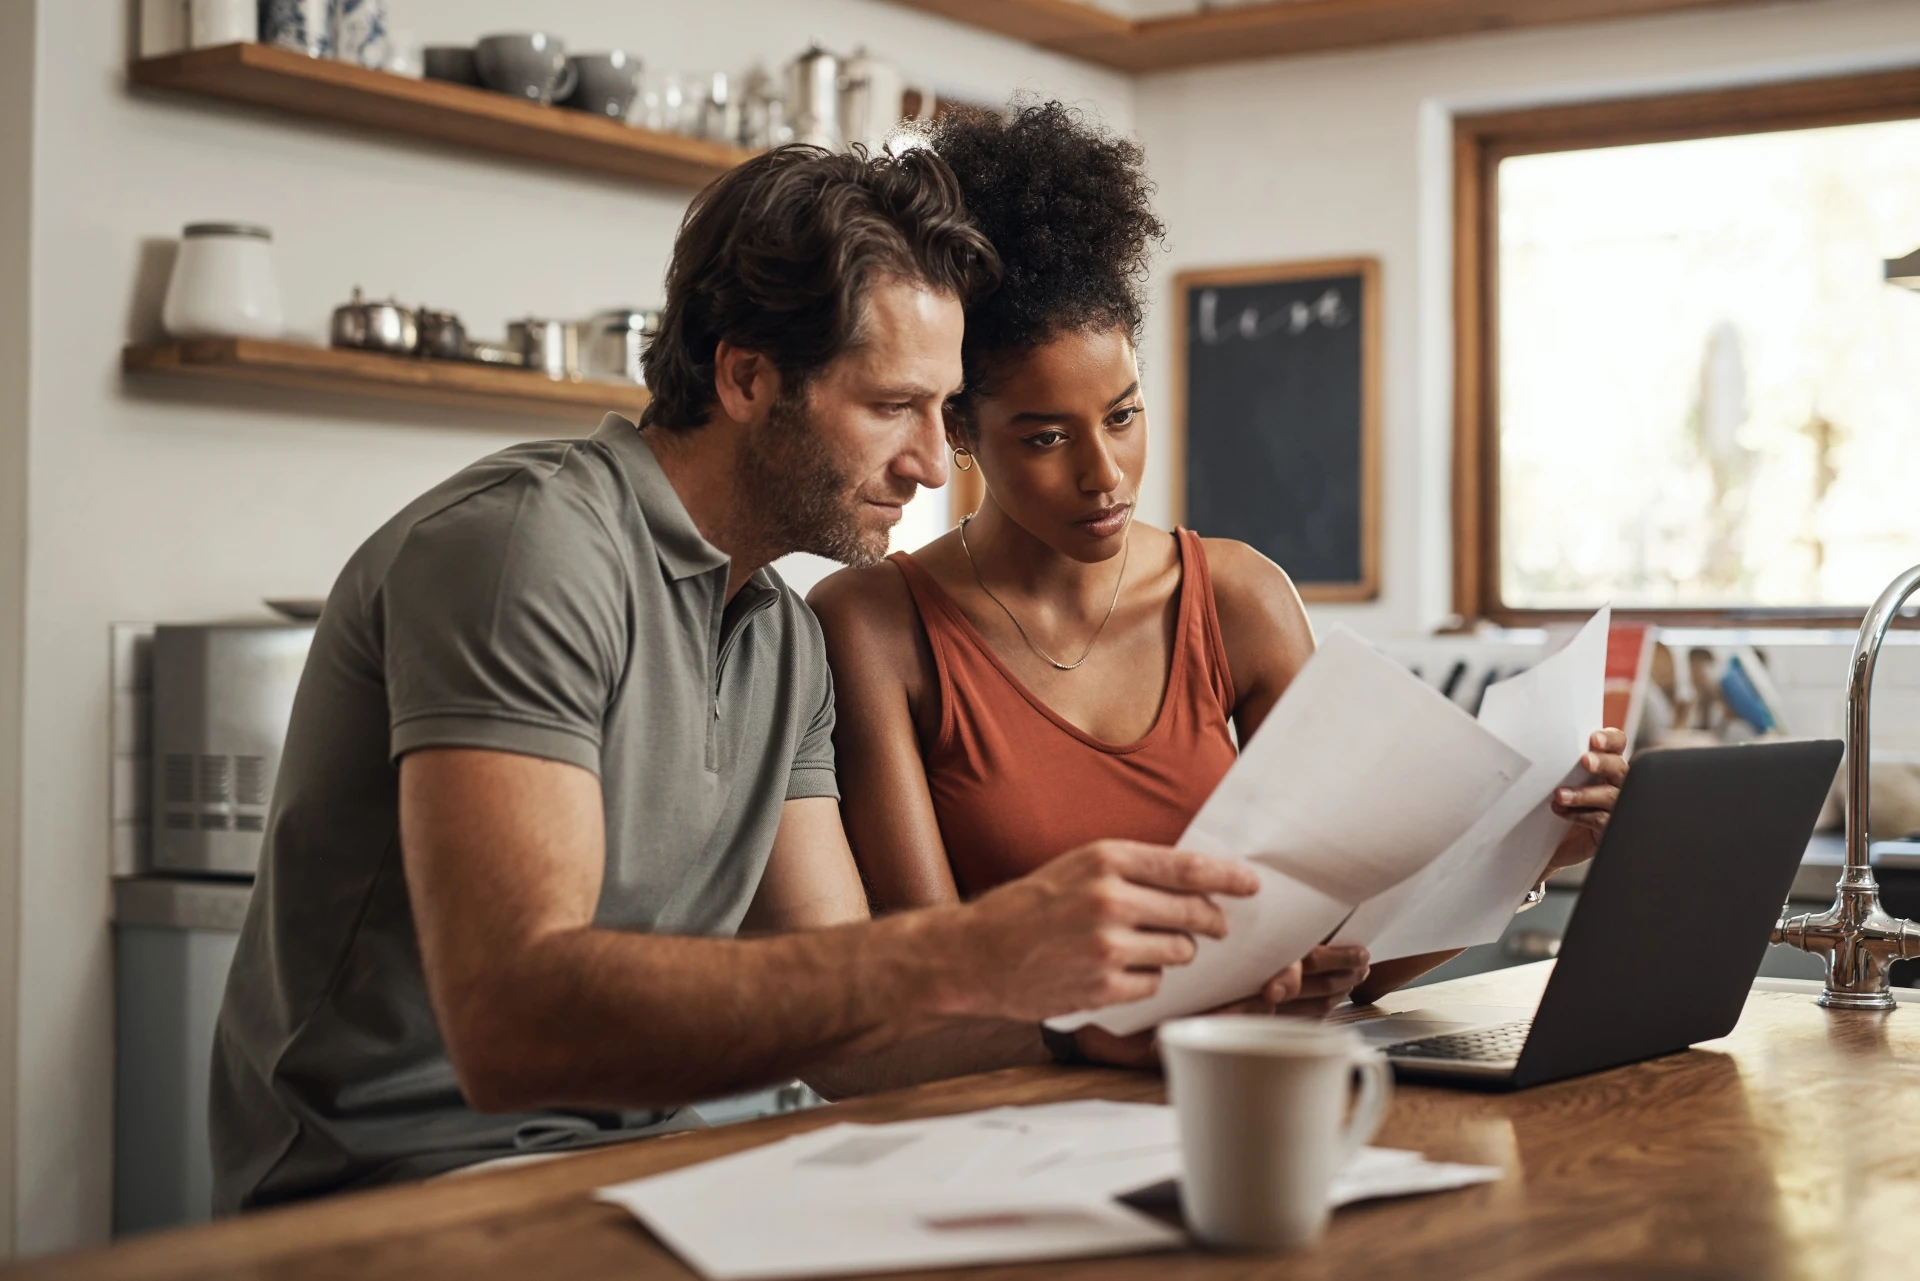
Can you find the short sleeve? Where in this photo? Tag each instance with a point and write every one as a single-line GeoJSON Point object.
{"type": "Point", "coordinates": [812, 773]}
{"type": "Point", "coordinates": [505, 621]}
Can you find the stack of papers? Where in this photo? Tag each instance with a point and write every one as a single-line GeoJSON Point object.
{"type": "Point", "coordinates": [1376, 811]}
{"type": "Point", "coordinates": [983, 1187]}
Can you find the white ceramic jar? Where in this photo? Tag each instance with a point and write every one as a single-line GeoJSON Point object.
{"type": "Point", "coordinates": [218, 22]}
{"type": "Point", "coordinates": [223, 284]}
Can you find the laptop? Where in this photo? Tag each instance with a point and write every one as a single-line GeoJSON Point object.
{"type": "Point", "coordinates": [1668, 933]}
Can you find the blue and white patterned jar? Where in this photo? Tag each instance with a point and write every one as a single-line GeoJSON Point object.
{"type": "Point", "coordinates": [360, 32]}
{"type": "Point", "coordinates": [302, 25]}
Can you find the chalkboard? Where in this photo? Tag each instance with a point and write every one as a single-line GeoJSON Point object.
{"type": "Point", "coordinates": [1278, 370]}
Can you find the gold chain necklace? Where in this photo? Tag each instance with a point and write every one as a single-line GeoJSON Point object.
{"type": "Point", "coordinates": [1126, 548]}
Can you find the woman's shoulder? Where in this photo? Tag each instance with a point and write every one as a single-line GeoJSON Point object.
{"type": "Point", "coordinates": [869, 617]}
{"type": "Point", "coordinates": [1250, 590]}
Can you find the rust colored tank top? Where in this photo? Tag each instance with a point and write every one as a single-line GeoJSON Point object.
{"type": "Point", "coordinates": [1014, 784]}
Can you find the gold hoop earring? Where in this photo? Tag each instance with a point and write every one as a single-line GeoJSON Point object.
{"type": "Point", "coordinates": [966, 466]}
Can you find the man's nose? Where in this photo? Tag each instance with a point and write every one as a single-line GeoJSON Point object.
{"type": "Point", "coordinates": [924, 461]}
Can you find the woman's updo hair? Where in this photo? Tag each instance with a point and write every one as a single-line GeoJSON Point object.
{"type": "Point", "coordinates": [1066, 205]}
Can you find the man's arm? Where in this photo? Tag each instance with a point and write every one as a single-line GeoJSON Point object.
{"type": "Point", "coordinates": [504, 856]}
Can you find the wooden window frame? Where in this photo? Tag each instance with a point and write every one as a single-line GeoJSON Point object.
{"type": "Point", "coordinates": [1480, 143]}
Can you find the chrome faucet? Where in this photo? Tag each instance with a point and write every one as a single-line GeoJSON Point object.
{"type": "Point", "coordinates": [1855, 937]}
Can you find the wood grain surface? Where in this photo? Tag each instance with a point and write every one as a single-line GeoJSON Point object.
{"type": "Point", "coordinates": [299, 367]}
{"type": "Point", "coordinates": [461, 115]}
{"type": "Point", "coordinates": [1789, 1149]}
{"type": "Point", "coordinates": [1213, 34]}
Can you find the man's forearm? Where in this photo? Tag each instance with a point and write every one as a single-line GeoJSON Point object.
{"type": "Point", "coordinates": [956, 1048]}
{"type": "Point", "coordinates": [603, 1018]}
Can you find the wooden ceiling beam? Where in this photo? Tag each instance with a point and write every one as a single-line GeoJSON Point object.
{"type": "Point", "coordinates": [1276, 29]}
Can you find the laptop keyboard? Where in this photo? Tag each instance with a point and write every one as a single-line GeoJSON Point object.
{"type": "Point", "coordinates": [1498, 1044]}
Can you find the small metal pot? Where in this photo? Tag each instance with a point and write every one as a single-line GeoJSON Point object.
{"type": "Point", "coordinates": [550, 346]}
{"type": "Point", "coordinates": [442, 336]}
{"type": "Point", "coordinates": [375, 326]}
{"type": "Point", "coordinates": [615, 342]}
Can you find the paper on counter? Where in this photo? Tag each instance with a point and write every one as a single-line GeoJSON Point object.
{"type": "Point", "coordinates": [988, 1187]}
{"type": "Point", "coordinates": [1359, 777]}
{"type": "Point", "coordinates": [1468, 894]}
{"type": "Point", "coordinates": [997, 1186]}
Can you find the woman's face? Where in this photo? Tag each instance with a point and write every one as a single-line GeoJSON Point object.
{"type": "Point", "coordinates": [1063, 441]}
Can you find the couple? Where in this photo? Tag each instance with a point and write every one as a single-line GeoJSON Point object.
{"type": "Point", "coordinates": [573, 820]}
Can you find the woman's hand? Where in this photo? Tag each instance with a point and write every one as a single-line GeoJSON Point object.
{"type": "Point", "coordinates": [1308, 988]}
{"type": "Point", "coordinates": [1590, 806]}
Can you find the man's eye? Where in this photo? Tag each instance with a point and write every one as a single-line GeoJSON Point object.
{"type": "Point", "coordinates": [896, 407]}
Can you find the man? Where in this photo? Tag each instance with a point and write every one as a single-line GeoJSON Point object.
{"type": "Point", "coordinates": [561, 735]}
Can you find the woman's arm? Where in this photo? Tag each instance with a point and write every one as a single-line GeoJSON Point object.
{"type": "Point", "coordinates": [1263, 627]}
{"type": "Point", "coordinates": [885, 690]}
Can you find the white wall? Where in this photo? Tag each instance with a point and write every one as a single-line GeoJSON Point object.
{"type": "Point", "coordinates": [156, 504]}
{"type": "Point", "coordinates": [16, 158]}
{"type": "Point", "coordinates": [1348, 154]}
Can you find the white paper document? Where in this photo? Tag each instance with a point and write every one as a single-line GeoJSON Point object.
{"type": "Point", "coordinates": [996, 1186]}
{"type": "Point", "coordinates": [1360, 777]}
{"type": "Point", "coordinates": [1468, 894]}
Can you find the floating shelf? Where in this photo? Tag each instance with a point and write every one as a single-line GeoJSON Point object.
{"type": "Point", "coordinates": [1275, 28]}
{"type": "Point", "coordinates": [478, 119]}
{"type": "Point", "coordinates": [374, 375]}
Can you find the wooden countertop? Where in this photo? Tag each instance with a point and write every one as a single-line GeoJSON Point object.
{"type": "Point", "coordinates": [1789, 1149]}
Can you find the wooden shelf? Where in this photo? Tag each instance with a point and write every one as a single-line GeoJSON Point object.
{"type": "Point", "coordinates": [375, 375]}
{"type": "Point", "coordinates": [479, 119]}
{"type": "Point", "coordinates": [1277, 28]}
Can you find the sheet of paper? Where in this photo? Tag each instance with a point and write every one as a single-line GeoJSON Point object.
{"type": "Point", "coordinates": [1359, 777]}
{"type": "Point", "coordinates": [996, 1186]}
{"type": "Point", "coordinates": [1468, 894]}
{"type": "Point", "coordinates": [981, 1188]}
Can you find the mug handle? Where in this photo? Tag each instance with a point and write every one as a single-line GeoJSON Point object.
{"type": "Point", "coordinates": [569, 81]}
{"type": "Point", "coordinates": [1370, 1108]}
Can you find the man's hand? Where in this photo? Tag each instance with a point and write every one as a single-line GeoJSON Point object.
{"type": "Point", "coordinates": [1093, 927]}
{"type": "Point", "coordinates": [1308, 988]}
{"type": "Point", "coordinates": [1590, 806]}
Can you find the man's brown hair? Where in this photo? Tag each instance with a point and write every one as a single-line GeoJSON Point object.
{"type": "Point", "coordinates": [777, 255]}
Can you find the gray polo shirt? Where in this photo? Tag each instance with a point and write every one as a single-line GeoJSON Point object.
{"type": "Point", "coordinates": [554, 600]}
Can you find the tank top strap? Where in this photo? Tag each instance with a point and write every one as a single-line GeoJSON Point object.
{"type": "Point", "coordinates": [1207, 647]}
{"type": "Point", "coordinates": [936, 611]}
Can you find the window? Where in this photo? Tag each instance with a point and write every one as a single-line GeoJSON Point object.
{"type": "Point", "coordinates": [1686, 386]}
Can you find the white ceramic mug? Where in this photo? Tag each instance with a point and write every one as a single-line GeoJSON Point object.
{"type": "Point", "coordinates": [1264, 1123]}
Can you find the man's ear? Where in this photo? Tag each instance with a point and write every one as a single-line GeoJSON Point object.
{"type": "Point", "coordinates": [745, 381]}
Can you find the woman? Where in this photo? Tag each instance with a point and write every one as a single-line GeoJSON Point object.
{"type": "Point", "coordinates": [1055, 671]}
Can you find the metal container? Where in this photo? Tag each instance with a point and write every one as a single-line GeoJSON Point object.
{"type": "Point", "coordinates": [550, 346]}
{"type": "Point", "coordinates": [222, 697]}
{"type": "Point", "coordinates": [615, 342]}
{"type": "Point", "coordinates": [814, 83]}
{"type": "Point", "coordinates": [441, 335]}
{"type": "Point", "coordinates": [375, 326]}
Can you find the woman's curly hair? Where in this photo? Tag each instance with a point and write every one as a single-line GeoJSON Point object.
{"type": "Point", "coordinates": [1067, 206]}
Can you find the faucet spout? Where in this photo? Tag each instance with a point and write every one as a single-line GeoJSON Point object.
{"type": "Point", "coordinates": [1855, 938]}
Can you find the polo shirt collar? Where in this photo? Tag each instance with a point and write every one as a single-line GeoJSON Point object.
{"type": "Point", "coordinates": [683, 551]}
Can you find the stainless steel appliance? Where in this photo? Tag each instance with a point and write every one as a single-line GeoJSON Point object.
{"type": "Point", "coordinates": [222, 696]}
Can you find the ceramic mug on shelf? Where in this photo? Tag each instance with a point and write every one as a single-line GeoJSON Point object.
{"type": "Point", "coordinates": [305, 26]}
{"type": "Point", "coordinates": [1260, 1102]}
{"type": "Point", "coordinates": [532, 66]}
{"type": "Point", "coordinates": [223, 284]}
{"type": "Point", "coordinates": [360, 32]}
{"type": "Point", "coordinates": [607, 83]}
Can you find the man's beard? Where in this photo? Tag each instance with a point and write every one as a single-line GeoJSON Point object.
{"type": "Point", "coordinates": [798, 495]}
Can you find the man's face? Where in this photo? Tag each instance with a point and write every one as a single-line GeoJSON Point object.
{"type": "Point", "coordinates": [830, 470]}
